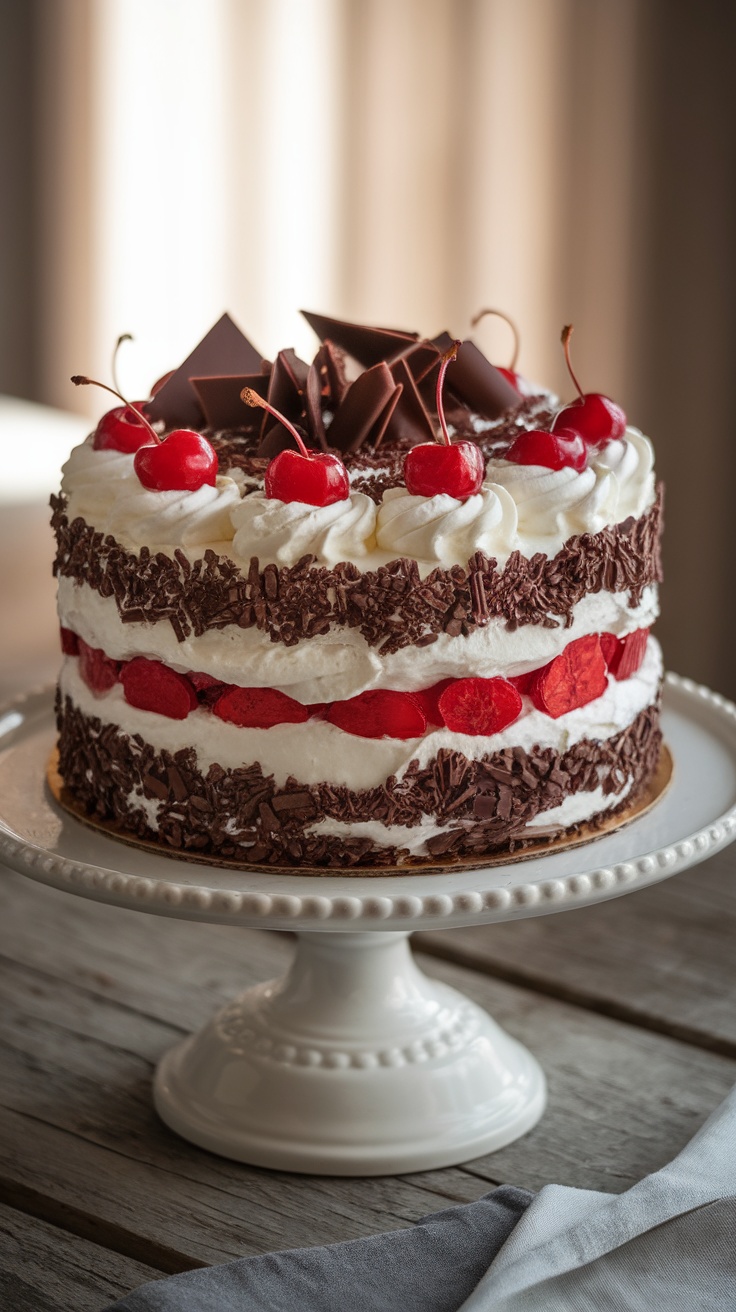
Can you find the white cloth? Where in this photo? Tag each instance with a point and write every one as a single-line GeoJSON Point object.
{"type": "Point", "coordinates": [667, 1244]}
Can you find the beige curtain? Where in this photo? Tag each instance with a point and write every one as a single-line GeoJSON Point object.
{"type": "Point", "coordinates": [406, 162]}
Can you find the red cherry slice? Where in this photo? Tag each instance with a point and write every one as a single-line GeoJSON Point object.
{"type": "Point", "coordinates": [596, 418]}
{"type": "Point", "coordinates": [183, 462]}
{"type": "Point", "coordinates": [317, 480]}
{"type": "Point", "coordinates": [69, 642]}
{"type": "Point", "coordinates": [432, 468]}
{"type": "Point", "coordinates": [122, 429]}
{"type": "Point", "coordinates": [98, 671]}
{"type": "Point", "coordinates": [523, 682]}
{"type": "Point", "coordinates": [429, 700]}
{"type": "Point", "coordinates": [379, 714]}
{"type": "Point", "coordinates": [480, 707]}
{"type": "Point", "coordinates": [151, 686]}
{"type": "Point", "coordinates": [573, 679]}
{"type": "Point", "coordinates": [550, 450]}
{"type": "Point", "coordinates": [624, 656]}
{"type": "Point", "coordinates": [259, 708]}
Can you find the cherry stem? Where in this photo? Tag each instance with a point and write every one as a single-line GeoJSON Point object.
{"type": "Point", "coordinates": [567, 332]}
{"type": "Point", "coordinates": [124, 337]}
{"type": "Point", "coordinates": [448, 357]}
{"type": "Point", "coordinates": [79, 380]}
{"type": "Point", "coordinates": [500, 315]}
{"type": "Point", "coordinates": [254, 399]}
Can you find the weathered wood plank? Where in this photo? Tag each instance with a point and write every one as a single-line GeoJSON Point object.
{"type": "Point", "coordinates": [662, 958]}
{"type": "Point", "coordinates": [94, 995]}
{"type": "Point", "coordinates": [45, 1269]}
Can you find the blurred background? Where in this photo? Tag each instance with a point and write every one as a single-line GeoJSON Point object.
{"type": "Point", "coordinates": [403, 162]}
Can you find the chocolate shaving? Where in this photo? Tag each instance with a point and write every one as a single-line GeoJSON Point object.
{"type": "Point", "coordinates": [411, 421]}
{"type": "Point", "coordinates": [224, 350]}
{"type": "Point", "coordinates": [486, 804]}
{"type": "Point", "coordinates": [392, 606]}
{"type": "Point", "coordinates": [482, 387]}
{"type": "Point", "coordinates": [287, 394]}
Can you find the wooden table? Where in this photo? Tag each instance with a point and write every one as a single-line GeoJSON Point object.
{"type": "Point", "coordinates": [97, 1196]}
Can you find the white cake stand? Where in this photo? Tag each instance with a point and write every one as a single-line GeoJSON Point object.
{"type": "Point", "coordinates": [356, 1063]}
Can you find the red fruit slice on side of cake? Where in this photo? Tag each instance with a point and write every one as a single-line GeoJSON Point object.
{"type": "Point", "coordinates": [379, 714]}
{"type": "Point", "coordinates": [429, 700]}
{"type": "Point", "coordinates": [98, 671]}
{"type": "Point", "coordinates": [480, 706]}
{"type": "Point", "coordinates": [259, 708]}
{"type": "Point", "coordinates": [624, 656]}
{"type": "Point", "coordinates": [69, 642]}
{"type": "Point", "coordinates": [573, 679]}
{"type": "Point", "coordinates": [523, 682]}
{"type": "Point", "coordinates": [151, 686]}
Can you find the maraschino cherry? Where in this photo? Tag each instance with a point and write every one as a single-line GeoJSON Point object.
{"type": "Point", "coordinates": [315, 478]}
{"type": "Point", "coordinates": [550, 450]}
{"type": "Point", "coordinates": [509, 373]}
{"type": "Point", "coordinates": [595, 417]}
{"type": "Point", "coordinates": [454, 468]}
{"type": "Point", "coordinates": [121, 429]}
{"type": "Point", "coordinates": [182, 462]}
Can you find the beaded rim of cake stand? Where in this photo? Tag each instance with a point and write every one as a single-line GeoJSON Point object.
{"type": "Point", "coordinates": [169, 897]}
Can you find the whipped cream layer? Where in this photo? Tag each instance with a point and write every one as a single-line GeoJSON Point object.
{"type": "Point", "coordinates": [340, 663]}
{"type": "Point", "coordinates": [523, 508]}
{"type": "Point", "coordinates": [318, 752]}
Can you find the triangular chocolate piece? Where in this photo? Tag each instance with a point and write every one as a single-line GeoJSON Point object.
{"type": "Point", "coordinates": [366, 345]}
{"type": "Point", "coordinates": [364, 409]}
{"type": "Point", "coordinates": [219, 398]}
{"type": "Point", "coordinates": [479, 384]}
{"type": "Point", "coordinates": [224, 350]}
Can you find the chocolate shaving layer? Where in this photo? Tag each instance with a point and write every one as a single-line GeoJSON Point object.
{"type": "Point", "coordinates": [485, 804]}
{"type": "Point", "coordinates": [392, 606]}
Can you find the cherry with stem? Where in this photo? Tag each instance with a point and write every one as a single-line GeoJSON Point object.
{"type": "Point", "coordinates": [454, 469]}
{"type": "Point", "coordinates": [592, 416]}
{"type": "Point", "coordinates": [314, 478]}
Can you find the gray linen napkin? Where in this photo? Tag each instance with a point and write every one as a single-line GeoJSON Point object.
{"type": "Point", "coordinates": [430, 1267]}
{"type": "Point", "coordinates": [667, 1243]}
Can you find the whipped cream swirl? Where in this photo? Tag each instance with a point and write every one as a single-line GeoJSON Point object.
{"type": "Point", "coordinates": [631, 460]}
{"type": "Point", "coordinates": [557, 502]}
{"type": "Point", "coordinates": [103, 488]}
{"type": "Point", "coordinates": [284, 531]}
{"type": "Point", "coordinates": [441, 530]}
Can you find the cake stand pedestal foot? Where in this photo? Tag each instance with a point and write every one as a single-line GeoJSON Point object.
{"type": "Point", "coordinates": [353, 1063]}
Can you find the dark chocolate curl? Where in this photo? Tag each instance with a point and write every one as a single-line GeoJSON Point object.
{"type": "Point", "coordinates": [223, 351]}
{"type": "Point", "coordinates": [366, 345]}
{"type": "Point", "coordinates": [476, 382]}
{"type": "Point", "coordinates": [220, 400]}
{"type": "Point", "coordinates": [364, 409]}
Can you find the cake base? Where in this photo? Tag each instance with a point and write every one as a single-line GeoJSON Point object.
{"type": "Point", "coordinates": [587, 832]}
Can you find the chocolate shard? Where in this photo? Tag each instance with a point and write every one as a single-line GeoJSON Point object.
{"type": "Point", "coordinates": [411, 420]}
{"type": "Point", "coordinates": [368, 346]}
{"type": "Point", "coordinates": [364, 409]}
{"type": "Point", "coordinates": [219, 398]}
{"type": "Point", "coordinates": [224, 350]}
{"type": "Point", "coordinates": [330, 363]}
{"type": "Point", "coordinates": [313, 396]}
{"type": "Point", "coordinates": [482, 387]}
{"type": "Point", "coordinates": [287, 393]}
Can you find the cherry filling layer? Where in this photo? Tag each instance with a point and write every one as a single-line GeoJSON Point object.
{"type": "Point", "coordinates": [475, 706]}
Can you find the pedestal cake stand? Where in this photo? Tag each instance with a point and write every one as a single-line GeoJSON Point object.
{"type": "Point", "coordinates": [355, 1062]}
